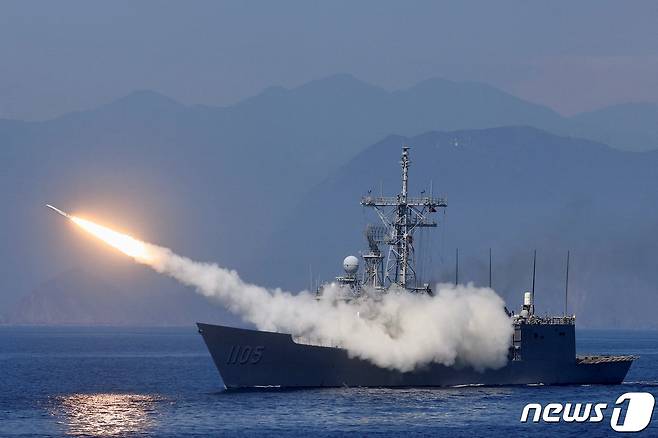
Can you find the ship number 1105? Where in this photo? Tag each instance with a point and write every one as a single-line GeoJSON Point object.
{"type": "Point", "coordinates": [243, 354]}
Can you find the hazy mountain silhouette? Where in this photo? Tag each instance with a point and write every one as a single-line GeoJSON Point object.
{"type": "Point", "coordinates": [634, 125]}
{"type": "Point", "coordinates": [78, 297]}
{"type": "Point", "coordinates": [213, 183]}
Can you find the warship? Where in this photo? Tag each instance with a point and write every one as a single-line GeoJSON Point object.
{"type": "Point", "coordinates": [542, 349]}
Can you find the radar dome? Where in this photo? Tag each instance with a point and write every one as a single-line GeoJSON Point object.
{"type": "Point", "coordinates": [351, 264]}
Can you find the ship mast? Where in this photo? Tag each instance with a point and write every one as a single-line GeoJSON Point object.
{"type": "Point", "coordinates": [401, 216]}
{"type": "Point", "coordinates": [404, 241]}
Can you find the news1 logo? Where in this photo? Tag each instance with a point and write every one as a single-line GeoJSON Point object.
{"type": "Point", "coordinates": [631, 412]}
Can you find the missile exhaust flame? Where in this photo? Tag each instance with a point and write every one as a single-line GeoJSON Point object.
{"type": "Point", "coordinates": [123, 242]}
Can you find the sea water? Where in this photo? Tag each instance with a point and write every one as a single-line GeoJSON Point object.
{"type": "Point", "coordinates": [102, 381]}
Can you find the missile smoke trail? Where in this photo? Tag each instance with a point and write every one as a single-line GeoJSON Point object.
{"type": "Point", "coordinates": [462, 325]}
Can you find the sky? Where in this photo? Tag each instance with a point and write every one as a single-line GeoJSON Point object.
{"type": "Point", "coordinates": [63, 56]}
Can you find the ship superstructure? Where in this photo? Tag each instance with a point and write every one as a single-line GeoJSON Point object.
{"type": "Point", "coordinates": [542, 349]}
{"type": "Point", "coordinates": [401, 216]}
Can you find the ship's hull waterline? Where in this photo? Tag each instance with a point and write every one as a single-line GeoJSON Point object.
{"type": "Point", "coordinates": [252, 359]}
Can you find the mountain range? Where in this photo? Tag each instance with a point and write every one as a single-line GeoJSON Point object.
{"type": "Point", "coordinates": [228, 184]}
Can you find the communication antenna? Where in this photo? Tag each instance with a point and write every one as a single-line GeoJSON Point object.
{"type": "Point", "coordinates": [566, 287]}
{"type": "Point", "coordinates": [534, 271]}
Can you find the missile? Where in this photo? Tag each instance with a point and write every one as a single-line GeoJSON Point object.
{"type": "Point", "coordinates": [66, 215]}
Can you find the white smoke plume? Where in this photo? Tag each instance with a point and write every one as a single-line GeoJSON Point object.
{"type": "Point", "coordinates": [461, 325]}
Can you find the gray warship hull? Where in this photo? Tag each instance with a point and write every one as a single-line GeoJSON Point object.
{"type": "Point", "coordinates": [542, 350]}
{"type": "Point", "coordinates": [539, 354]}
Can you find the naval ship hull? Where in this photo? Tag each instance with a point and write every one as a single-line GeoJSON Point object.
{"type": "Point", "coordinates": [545, 355]}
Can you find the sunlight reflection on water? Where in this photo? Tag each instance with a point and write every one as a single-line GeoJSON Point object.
{"type": "Point", "coordinates": [106, 414]}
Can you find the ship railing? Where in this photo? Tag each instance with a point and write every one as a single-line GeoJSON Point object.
{"type": "Point", "coordinates": [551, 320]}
{"type": "Point", "coordinates": [303, 340]}
{"type": "Point", "coordinates": [605, 359]}
{"type": "Point", "coordinates": [429, 201]}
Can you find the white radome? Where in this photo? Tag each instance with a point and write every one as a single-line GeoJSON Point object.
{"type": "Point", "coordinates": [351, 264]}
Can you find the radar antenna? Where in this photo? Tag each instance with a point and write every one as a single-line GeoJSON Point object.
{"type": "Point", "coordinates": [373, 274]}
